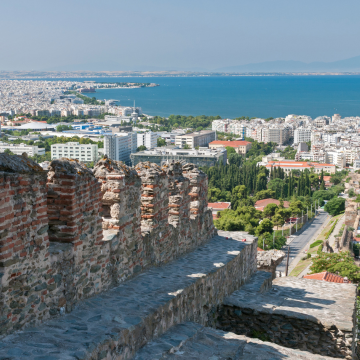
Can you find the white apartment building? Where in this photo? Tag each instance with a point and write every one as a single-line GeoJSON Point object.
{"type": "Point", "coordinates": [332, 139]}
{"type": "Point", "coordinates": [336, 158]}
{"type": "Point", "coordinates": [120, 146]}
{"type": "Point", "coordinates": [147, 139]}
{"type": "Point", "coordinates": [302, 135]}
{"type": "Point", "coordinates": [73, 150]}
{"type": "Point", "coordinates": [195, 139]}
{"type": "Point", "coordinates": [276, 135]}
{"type": "Point", "coordinates": [19, 149]}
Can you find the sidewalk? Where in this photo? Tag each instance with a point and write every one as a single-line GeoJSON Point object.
{"type": "Point", "coordinates": [336, 231]}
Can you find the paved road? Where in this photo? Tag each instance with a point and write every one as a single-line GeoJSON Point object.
{"type": "Point", "coordinates": [302, 238]}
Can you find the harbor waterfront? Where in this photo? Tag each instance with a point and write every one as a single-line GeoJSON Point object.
{"type": "Point", "coordinates": [230, 97]}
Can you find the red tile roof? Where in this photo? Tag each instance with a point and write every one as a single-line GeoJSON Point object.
{"type": "Point", "coordinates": [219, 205]}
{"type": "Point", "coordinates": [296, 164]}
{"type": "Point", "coordinates": [259, 249]}
{"type": "Point", "coordinates": [326, 276]}
{"type": "Point", "coordinates": [230, 143]}
{"type": "Point", "coordinates": [260, 204]}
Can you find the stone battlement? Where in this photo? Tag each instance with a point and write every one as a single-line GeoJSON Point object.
{"type": "Point", "coordinates": [70, 233]}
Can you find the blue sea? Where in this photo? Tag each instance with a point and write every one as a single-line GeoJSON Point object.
{"type": "Point", "coordinates": [230, 97]}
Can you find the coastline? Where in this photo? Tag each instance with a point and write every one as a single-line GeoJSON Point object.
{"type": "Point", "coordinates": [26, 75]}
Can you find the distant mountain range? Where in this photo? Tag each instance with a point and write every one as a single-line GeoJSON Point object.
{"type": "Point", "coordinates": [347, 65]}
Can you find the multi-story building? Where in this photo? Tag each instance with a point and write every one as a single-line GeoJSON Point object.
{"type": "Point", "coordinates": [73, 150]}
{"type": "Point", "coordinates": [200, 157]}
{"type": "Point", "coordinates": [195, 139]}
{"type": "Point", "coordinates": [120, 146]}
{"type": "Point", "coordinates": [147, 139]}
{"type": "Point", "coordinates": [288, 166]}
{"type": "Point", "coordinates": [241, 147]}
{"type": "Point", "coordinates": [337, 158]}
{"type": "Point", "coordinates": [19, 149]}
{"type": "Point", "coordinates": [277, 135]}
{"type": "Point", "coordinates": [321, 121]}
{"type": "Point", "coordinates": [302, 135]}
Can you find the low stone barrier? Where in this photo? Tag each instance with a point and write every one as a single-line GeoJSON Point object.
{"type": "Point", "coordinates": [117, 323]}
{"type": "Point", "coordinates": [309, 315]}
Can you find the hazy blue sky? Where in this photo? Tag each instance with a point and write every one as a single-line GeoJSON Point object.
{"type": "Point", "coordinates": [173, 34]}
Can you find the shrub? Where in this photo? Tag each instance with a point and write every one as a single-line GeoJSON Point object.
{"type": "Point", "coordinates": [319, 251]}
{"type": "Point", "coordinates": [331, 230]}
{"type": "Point", "coordinates": [316, 243]}
{"type": "Point", "coordinates": [308, 255]}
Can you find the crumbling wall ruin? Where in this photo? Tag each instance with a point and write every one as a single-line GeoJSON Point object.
{"type": "Point", "coordinates": [77, 233]}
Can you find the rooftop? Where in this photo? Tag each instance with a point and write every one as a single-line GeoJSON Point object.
{"type": "Point", "coordinates": [219, 205]}
{"type": "Point", "coordinates": [326, 276]}
{"type": "Point", "coordinates": [260, 204]}
{"type": "Point", "coordinates": [230, 143]}
{"type": "Point", "coordinates": [296, 164]}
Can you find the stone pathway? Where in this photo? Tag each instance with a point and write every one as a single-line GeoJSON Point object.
{"type": "Point", "coordinates": [115, 324]}
{"type": "Point", "coordinates": [190, 341]}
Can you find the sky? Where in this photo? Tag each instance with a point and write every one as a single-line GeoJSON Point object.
{"type": "Point", "coordinates": [174, 34]}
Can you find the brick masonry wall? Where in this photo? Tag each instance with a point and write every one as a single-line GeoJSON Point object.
{"type": "Point", "coordinates": [104, 228]}
{"type": "Point", "coordinates": [25, 286]}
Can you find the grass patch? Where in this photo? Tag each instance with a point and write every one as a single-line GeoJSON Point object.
{"type": "Point", "coordinates": [316, 243]}
{"type": "Point", "coordinates": [300, 267]}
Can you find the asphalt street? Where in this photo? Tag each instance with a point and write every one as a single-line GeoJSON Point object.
{"type": "Point", "coordinates": [302, 238]}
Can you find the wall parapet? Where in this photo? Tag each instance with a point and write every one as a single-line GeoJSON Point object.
{"type": "Point", "coordinates": [84, 232]}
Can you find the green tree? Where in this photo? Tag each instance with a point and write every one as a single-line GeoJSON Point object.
{"type": "Point", "coordinates": [230, 150]}
{"type": "Point", "coordinates": [264, 194]}
{"type": "Point", "coordinates": [160, 142]}
{"type": "Point", "coordinates": [61, 128]}
{"type": "Point", "coordinates": [341, 263]}
{"type": "Point", "coordinates": [9, 152]}
{"type": "Point", "coordinates": [322, 185]}
{"type": "Point", "coordinates": [335, 206]}
{"type": "Point", "coordinates": [278, 220]}
{"type": "Point", "coordinates": [265, 226]}
{"type": "Point", "coordinates": [141, 148]}
{"type": "Point", "coordinates": [270, 210]}
{"type": "Point", "coordinates": [351, 192]}
{"type": "Point", "coordinates": [186, 146]}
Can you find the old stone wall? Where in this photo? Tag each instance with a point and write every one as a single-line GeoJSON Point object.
{"type": "Point", "coordinates": [78, 232]}
{"type": "Point", "coordinates": [310, 315]}
{"type": "Point", "coordinates": [351, 213]}
{"type": "Point", "coordinates": [25, 282]}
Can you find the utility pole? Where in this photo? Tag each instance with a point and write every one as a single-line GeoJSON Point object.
{"type": "Point", "coordinates": [274, 239]}
{"type": "Point", "coordinates": [290, 227]}
{"type": "Point", "coordinates": [287, 262]}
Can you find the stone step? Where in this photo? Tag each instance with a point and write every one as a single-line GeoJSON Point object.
{"type": "Point", "coordinates": [116, 324]}
{"type": "Point", "coordinates": [311, 315]}
{"type": "Point", "coordinates": [191, 341]}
